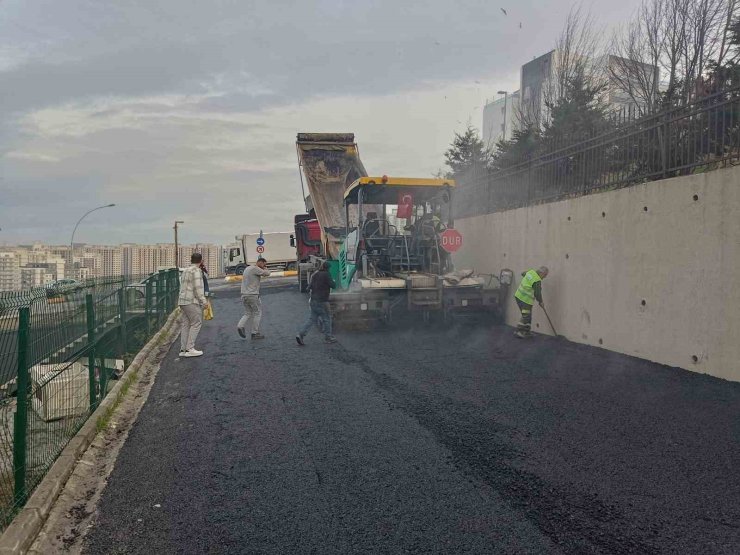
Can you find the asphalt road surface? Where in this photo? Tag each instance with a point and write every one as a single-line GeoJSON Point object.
{"type": "Point", "coordinates": [421, 440]}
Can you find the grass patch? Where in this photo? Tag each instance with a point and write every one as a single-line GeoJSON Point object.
{"type": "Point", "coordinates": [129, 377]}
{"type": "Point", "coordinates": [104, 419]}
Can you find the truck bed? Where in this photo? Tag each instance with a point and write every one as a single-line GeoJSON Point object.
{"type": "Point", "coordinates": [330, 162]}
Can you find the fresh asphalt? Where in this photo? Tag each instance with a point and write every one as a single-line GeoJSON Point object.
{"type": "Point", "coordinates": [421, 440]}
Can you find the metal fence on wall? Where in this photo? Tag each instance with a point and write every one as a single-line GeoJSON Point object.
{"type": "Point", "coordinates": [678, 141]}
{"type": "Point", "coordinates": [60, 350]}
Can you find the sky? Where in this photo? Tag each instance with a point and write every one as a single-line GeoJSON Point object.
{"type": "Point", "coordinates": [188, 109]}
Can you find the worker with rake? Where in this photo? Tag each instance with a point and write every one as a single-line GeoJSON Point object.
{"type": "Point", "coordinates": [530, 289]}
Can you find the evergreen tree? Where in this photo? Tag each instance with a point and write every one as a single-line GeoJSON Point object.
{"type": "Point", "coordinates": [466, 151]}
{"type": "Point", "coordinates": [578, 114]}
{"type": "Point", "coordinates": [522, 146]}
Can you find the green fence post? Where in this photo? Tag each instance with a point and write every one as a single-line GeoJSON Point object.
{"type": "Point", "coordinates": [90, 305]}
{"type": "Point", "coordinates": [20, 423]}
{"type": "Point", "coordinates": [167, 296]}
{"type": "Point", "coordinates": [160, 295]}
{"type": "Point", "coordinates": [122, 316]}
{"type": "Point", "coordinates": [148, 308]}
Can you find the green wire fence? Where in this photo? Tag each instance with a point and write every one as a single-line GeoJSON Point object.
{"type": "Point", "coordinates": [60, 349]}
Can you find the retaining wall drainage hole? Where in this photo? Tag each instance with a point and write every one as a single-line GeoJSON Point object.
{"type": "Point", "coordinates": [696, 197]}
{"type": "Point", "coordinates": [567, 256]}
{"type": "Point", "coordinates": [644, 208]}
{"type": "Point", "coordinates": [537, 325]}
{"type": "Point", "coordinates": [643, 303]}
{"type": "Point", "coordinates": [540, 221]}
{"type": "Point", "coordinates": [601, 341]}
{"type": "Point", "coordinates": [694, 359]}
{"type": "Point", "coordinates": [568, 218]}
{"type": "Point", "coordinates": [603, 214]}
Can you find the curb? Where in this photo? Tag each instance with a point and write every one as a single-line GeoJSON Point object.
{"type": "Point", "coordinates": [22, 531]}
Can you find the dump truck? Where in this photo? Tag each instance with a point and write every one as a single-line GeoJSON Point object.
{"type": "Point", "coordinates": [387, 240]}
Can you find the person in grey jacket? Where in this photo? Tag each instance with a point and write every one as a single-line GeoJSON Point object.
{"type": "Point", "coordinates": [251, 281]}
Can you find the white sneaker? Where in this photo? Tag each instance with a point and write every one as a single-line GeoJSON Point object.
{"type": "Point", "coordinates": [192, 353]}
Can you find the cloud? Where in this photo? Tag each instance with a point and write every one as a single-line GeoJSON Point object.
{"type": "Point", "coordinates": [182, 109]}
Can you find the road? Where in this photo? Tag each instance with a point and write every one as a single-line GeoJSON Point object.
{"type": "Point", "coordinates": [421, 441]}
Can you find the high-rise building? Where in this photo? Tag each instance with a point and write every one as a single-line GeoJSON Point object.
{"type": "Point", "coordinates": [145, 259]}
{"type": "Point", "coordinates": [36, 265]}
{"type": "Point", "coordinates": [10, 271]}
{"type": "Point", "coordinates": [537, 86]}
{"type": "Point", "coordinates": [111, 261]}
{"type": "Point", "coordinates": [32, 276]}
{"type": "Point", "coordinates": [500, 119]}
{"type": "Point", "coordinates": [534, 79]}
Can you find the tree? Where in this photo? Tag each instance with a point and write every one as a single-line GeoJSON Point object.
{"type": "Point", "coordinates": [520, 148]}
{"type": "Point", "coordinates": [578, 65]}
{"type": "Point", "coordinates": [681, 39]}
{"type": "Point", "coordinates": [725, 74]}
{"type": "Point", "coordinates": [466, 152]}
{"type": "Point", "coordinates": [578, 113]}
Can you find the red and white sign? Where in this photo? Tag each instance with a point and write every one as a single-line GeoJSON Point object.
{"type": "Point", "coordinates": [450, 240]}
{"type": "Point", "coordinates": [260, 249]}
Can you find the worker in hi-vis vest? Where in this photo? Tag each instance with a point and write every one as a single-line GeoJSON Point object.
{"type": "Point", "coordinates": [530, 289]}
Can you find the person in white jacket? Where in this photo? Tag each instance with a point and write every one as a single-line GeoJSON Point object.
{"type": "Point", "coordinates": [192, 301]}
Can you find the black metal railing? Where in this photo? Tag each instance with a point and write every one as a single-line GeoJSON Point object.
{"type": "Point", "coordinates": [680, 140]}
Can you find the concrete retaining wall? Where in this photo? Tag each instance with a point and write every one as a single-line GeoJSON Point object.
{"type": "Point", "coordinates": [650, 270]}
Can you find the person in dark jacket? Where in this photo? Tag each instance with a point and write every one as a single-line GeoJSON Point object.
{"type": "Point", "coordinates": [205, 278]}
{"type": "Point", "coordinates": [320, 288]}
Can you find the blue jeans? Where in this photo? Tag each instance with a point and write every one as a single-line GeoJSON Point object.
{"type": "Point", "coordinates": [319, 311]}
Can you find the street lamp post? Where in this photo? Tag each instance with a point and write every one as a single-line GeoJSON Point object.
{"type": "Point", "coordinates": [177, 251]}
{"type": "Point", "coordinates": [72, 240]}
{"type": "Point", "coordinates": [506, 96]}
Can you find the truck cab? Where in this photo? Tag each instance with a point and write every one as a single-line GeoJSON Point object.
{"type": "Point", "coordinates": [276, 247]}
{"type": "Point", "coordinates": [307, 242]}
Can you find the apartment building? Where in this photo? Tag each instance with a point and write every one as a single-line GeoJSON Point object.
{"type": "Point", "coordinates": [499, 118]}
{"type": "Point", "coordinates": [35, 276]}
{"type": "Point", "coordinates": [10, 271]}
{"type": "Point", "coordinates": [36, 265]}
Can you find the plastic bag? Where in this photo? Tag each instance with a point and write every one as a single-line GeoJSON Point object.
{"type": "Point", "coordinates": [208, 311]}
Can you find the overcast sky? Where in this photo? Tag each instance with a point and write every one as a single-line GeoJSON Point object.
{"type": "Point", "coordinates": [188, 109]}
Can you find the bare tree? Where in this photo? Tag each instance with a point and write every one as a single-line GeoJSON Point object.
{"type": "Point", "coordinates": [677, 38]}
{"type": "Point", "coordinates": [579, 57]}
{"type": "Point", "coordinates": [636, 56]}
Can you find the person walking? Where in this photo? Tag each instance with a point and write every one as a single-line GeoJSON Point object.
{"type": "Point", "coordinates": [530, 289]}
{"type": "Point", "coordinates": [192, 301]}
{"type": "Point", "coordinates": [320, 289]}
{"type": "Point", "coordinates": [205, 278]}
{"type": "Point", "coordinates": [251, 298]}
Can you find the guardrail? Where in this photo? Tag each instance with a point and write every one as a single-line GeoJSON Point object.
{"type": "Point", "coordinates": [680, 140]}
{"type": "Point", "coordinates": [59, 350]}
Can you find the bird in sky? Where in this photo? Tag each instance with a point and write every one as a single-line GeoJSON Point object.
{"type": "Point", "coordinates": [503, 10]}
